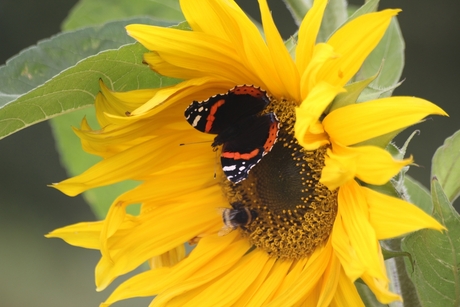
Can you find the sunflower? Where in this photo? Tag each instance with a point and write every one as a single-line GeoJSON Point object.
{"type": "Point", "coordinates": [303, 226]}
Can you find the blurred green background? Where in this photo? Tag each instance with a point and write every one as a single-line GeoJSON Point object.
{"type": "Point", "coordinates": [40, 272]}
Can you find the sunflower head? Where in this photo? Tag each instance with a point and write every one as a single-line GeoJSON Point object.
{"type": "Point", "coordinates": [284, 217]}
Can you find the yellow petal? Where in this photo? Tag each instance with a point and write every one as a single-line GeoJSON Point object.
{"type": "Point", "coordinates": [307, 281]}
{"type": "Point", "coordinates": [161, 188]}
{"type": "Point", "coordinates": [228, 34]}
{"type": "Point", "coordinates": [315, 137]}
{"type": "Point", "coordinates": [252, 49]}
{"type": "Point", "coordinates": [310, 110]}
{"type": "Point", "coordinates": [113, 139]}
{"type": "Point", "coordinates": [259, 282]}
{"type": "Point", "coordinates": [285, 67]}
{"type": "Point", "coordinates": [360, 122]}
{"type": "Point", "coordinates": [353, 211]}
{"type": "Point", "coordinates": [118, 168]}
{"type": "Point", "coordinates": [140, 285]}
{"type": "Point", "coordinates": [377, 166]}
{"type": "Point", "coordinates": [129, 99]}
{"type": "Point", "coordinates": [292, 277]}
{"type": "Point", "coordinates": [202, 270]}
{"type": "Point", "coordinates": [146, 158]}
{"type": "Point", "coordinates": [346, 294]}
{"type": "Point", "coordinates": [114, 219]}
{"type": "Point", "coordinates": [343, 249]}
{"type": "Point", "coordinates": [168, 259]}
{"type": "Point", "coordinates": [380, 289]}
{"type": "Point", "coordinates": [205, 55]}
{"type": "Point", "coordinates": [392, 217]}
{"type": "Point", "coordinates": [181, 179]}
{"type": "Point", "coordinates": [354, 41]}
{"type": "Point", "coordinates": [272, 282]}
{"type": "Point", "coordinates": [330, 282]}
{"type": "Point", "coordinates": [160, 66]}
{"type": "Point", "coordinates": [118, 103]}
{"type": "Point", "coordinates": [183, 220]}
{"type": "Point", "coordinates": [155, 281]}
{"type": "Point", "coordinates": [84, 234]}
{"type": "Point", "coordinates": [195, 89]}
{"type": "Point", "coordinates": [322, 53]}
{"type": "Point", "coordinates": [338, 169]}
{"type": "Point", "coordinates": [176, 182]}
{"type": "Point", "coordinates": [244, 273]}
{"type": "Point", "coordinates": [308, 31]}
{"type": "Point", "coordinates": [311, 299]}
{"type": "Point", "coordinates": [368, 163]}
{"type": "Point", "coordinates": [202, 17]}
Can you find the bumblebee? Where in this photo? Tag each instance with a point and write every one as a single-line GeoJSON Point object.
{"type": "Point", "coordinates": [237, 216]}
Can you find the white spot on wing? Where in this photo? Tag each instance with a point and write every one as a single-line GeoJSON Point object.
{"type": "Point", "coordinates": [196, 120]}
{"type": "Point", "coordinates": [229, 168]}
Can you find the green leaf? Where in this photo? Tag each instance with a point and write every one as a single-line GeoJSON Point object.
{"type": "Point", "coordinates": [368, 7]}
{"type": "Point", "coordinates": [436, 266]}
{"type": "Point", "coordinates": [381, 141]}
{"type": "Point", "coordinates": [76, 87]}
{"type": "Point", "coordinates": [367, 295]}
{"type": "Point", "coordinates": [298, 9]}
{"type": "Point", "coordinates": [446, 166]}
{"type": "Point", "coordinates": [91, 12]}
{"type": "Point", "coordinates": [386, 60]}
{"type": "Point", "coordinates": [36, 65]}
{"type": "Point", "coordinates": [290, 44]}
{"type": "Point", "coordinates": [418, 194]}
{"type": "Point", "coordinates": [335, 16]}
{"type": "Point", "coordinates": [372, 92]}
{"type": "Point", "coordinates": [388, 57]}
{"type": "Point", "coordinates": [41, 83]}
{"type": "Point", "coordinates": [76, 160]}
{"type": "Point", "coordinates": [387, 189]}
{"type": "Point", "coordinates": [389, 254]}
{"type": "Point", "coordinates": [353, 91]}
{"type": "Point", "coordinates": [354, 11]}
{"type": "Point", "coordinates": [396, 270]}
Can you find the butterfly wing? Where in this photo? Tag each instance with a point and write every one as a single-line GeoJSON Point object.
{"type": "Point", "coordinates": [221, 111]}
{"type": "Point", "coordinates": [257, 136]}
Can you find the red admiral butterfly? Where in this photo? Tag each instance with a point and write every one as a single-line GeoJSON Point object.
{"type": "Point", "coordinates": [245, 133]}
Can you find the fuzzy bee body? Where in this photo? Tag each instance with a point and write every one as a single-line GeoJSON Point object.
{"type": "Point", "coordinates": [238, 216]}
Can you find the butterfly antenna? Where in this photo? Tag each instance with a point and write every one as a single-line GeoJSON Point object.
{"type": "Point", "coordinates": [193, 143]}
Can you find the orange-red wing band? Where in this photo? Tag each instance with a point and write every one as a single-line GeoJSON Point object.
{"type": "Point", "coordinates": [249, 90]}
{"type": "Point", "coordinates": [272, 136]}
{"type": "Point", "coordinates": [210, 119]}
{"type": "Point", "coordinates": [239, 156]}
